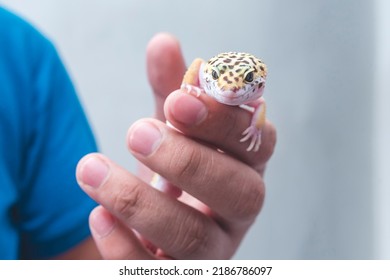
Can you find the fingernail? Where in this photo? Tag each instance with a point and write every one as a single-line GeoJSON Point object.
{"type": "Point", "coordinates": [102, 222]}
{"type": "Point", "coordinates": [144, 138]}
{"type": "Point", "coordinates": [188, 110]}
{"type": "Point", "coordinates": [93, 171]}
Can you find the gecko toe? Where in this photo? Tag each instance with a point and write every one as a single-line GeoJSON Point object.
{"type": "Point", "coordinates": [191, 88]}
{"type": "Point", "coordinates": [254, 135]}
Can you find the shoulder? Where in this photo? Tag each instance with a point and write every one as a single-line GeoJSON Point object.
{"type": "Point", "coordinates": [24, 52]}
{"type": "Point", "coordinates": [12, 25]}
{"type": "Point", "coordinates": [20, 40]}
{"type": "Point", "coordinates": [30, 62]}
{"type": "Point", "coordinates": [6, 17]}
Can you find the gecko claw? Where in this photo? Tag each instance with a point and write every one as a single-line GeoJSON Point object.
{"type": "Point", "coordinates": [254, 135]}
{"type": "Point", "coordinates": [191, 88]}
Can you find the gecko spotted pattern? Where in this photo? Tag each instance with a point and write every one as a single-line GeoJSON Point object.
{"type": "Point", "coordinates": [233, 78]}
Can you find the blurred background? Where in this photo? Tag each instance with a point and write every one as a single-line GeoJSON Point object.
{"type": "Point", "coordinates": [328, 91]}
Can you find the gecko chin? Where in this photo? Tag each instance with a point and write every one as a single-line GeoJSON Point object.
{"type": "Point", "coordinates": [230, 100]}
{"type": "Point", "coordinates": [235, 99]}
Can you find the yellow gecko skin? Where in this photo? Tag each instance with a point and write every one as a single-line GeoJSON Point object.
{"type": "Point", "coordinates": [235, 79]}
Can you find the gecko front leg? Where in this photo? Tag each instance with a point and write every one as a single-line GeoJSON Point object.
{"type": "Point", "coordinates": [253, 132]}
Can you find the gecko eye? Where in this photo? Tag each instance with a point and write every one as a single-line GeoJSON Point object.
{"type": "Point", "coordinates": [249, 77]}
{"type": "Point", "coordinates": [215, 75]}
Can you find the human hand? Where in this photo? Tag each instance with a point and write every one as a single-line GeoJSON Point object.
{"type": "Point", "coordinates": [229, 184]}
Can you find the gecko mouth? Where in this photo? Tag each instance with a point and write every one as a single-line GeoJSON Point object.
{"type": "Point", "coordinates": [237, 98]}
{"type": "Point", "coordinates": [230, 99]}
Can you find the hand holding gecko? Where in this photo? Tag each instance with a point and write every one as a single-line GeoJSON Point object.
{"type": "Point", "coordinates": [229, 184]}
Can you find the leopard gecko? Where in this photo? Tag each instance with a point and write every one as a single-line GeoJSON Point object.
{"type": "Point", "coordinates": [235, 79]}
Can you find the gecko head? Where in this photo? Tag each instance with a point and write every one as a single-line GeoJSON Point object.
{"type": "Point", "coordinates": [234, 78]}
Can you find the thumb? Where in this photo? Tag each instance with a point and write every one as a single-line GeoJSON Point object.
{"type": "Point", "coordinates": [165, 68]}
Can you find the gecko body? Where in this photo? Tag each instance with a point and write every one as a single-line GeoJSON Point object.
{"type": "Point", "coordinates": [236, 79]}
{"type": "Point", "coordinates": [231, 78]}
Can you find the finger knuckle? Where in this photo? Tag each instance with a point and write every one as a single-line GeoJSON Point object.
{"type": "Point", "coordinates": [195, 239]}
{"type": "Point", "coordinates": [229, 131]}
{"type": "Point", "coordinates": [127, 201]}
{"type": "Point", "coordinates": [259, 159]}
{"type": "Point", "coordinates": [270, 142]}
{"type": "Point", "coordinates": [249, 200]}
{"type": "Point", "coordinates": [186, 162]}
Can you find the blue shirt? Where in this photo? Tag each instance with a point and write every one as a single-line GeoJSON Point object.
{"type": "Point", "coordinates": [43, 134]}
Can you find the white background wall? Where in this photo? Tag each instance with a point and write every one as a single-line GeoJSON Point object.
{"type": "Point", "coordinates": [381, 154]}
{"type": "Point", "coordinates": [327, 184]}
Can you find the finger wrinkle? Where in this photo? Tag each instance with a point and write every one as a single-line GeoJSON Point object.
{"type": "Point", "coordinates": [193, 237]}
{"type": "Point", "coordinates": [249, 200]}
{"type": "Point", "coordinates": [127, 201]}
{"type": "Point", "coordinates": [186, 162]}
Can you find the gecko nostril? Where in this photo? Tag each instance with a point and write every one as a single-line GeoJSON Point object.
{"type": "Point", "coordinates": [235, 89]}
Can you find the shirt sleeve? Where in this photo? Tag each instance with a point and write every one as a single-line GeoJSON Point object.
{"type": "Point", "coordinates": [52, 212]}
